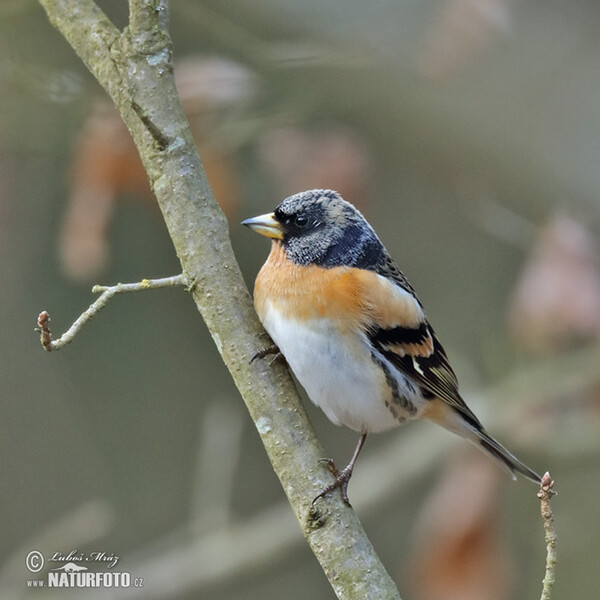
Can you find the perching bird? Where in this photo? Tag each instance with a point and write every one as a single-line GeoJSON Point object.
{"type": "Point", "coordinates": [352, 329]}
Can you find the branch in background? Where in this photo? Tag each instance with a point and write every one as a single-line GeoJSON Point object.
{"type": "Point", "coordinates": [86, 524]}
{"type": "Point", "coordinates": [218, 457]}
{"type": "Point", "coordinates": [545, 495]}
{"type": "Point", "coordinates": [107, 293]}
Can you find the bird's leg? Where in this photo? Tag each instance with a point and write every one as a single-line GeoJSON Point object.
{"type": "Point", "coordinates": [342, 477]}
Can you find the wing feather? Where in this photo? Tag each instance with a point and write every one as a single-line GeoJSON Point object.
{"type": "Point", "coordinates": [400, 331]}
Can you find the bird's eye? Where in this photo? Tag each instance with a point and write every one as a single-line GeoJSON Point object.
{"type": "Point", "coordinates": [300, 221]}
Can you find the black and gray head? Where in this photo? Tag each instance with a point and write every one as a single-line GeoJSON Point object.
{"type": "Point", "coordinates": [319, 227]}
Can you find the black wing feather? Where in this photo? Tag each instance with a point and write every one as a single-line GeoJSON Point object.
{"type": "Point", "coordinates": [433, 373]}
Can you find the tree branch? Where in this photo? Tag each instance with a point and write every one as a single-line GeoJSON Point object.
{"type": "Point", "coordinates": [135, 69]}
{"type": "Point", "coordinates": [545, 495]}
{"type": "Point", "coordinates": [108, 292]}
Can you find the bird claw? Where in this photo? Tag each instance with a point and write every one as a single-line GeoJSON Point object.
{"type": "Point", "coordinates": [272, 349]}
{"type": "Point", "coordinates": [331, 466]}
{"type": "Point", "coordinates": [342, 478]}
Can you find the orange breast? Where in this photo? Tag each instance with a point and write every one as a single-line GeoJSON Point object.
{"type": "Point", "coordinates": [310, 292]}
{"type": "Point", "coordinates": [352, 297]}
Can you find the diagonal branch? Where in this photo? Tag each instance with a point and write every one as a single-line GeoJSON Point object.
{"type": "Point", "coordinates": [135, 69]}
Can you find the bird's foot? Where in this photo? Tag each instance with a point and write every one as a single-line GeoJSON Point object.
{"type": "Point", "coordinates": [341, 481]}
{"type": "Point", "coordinates": [272, 349]}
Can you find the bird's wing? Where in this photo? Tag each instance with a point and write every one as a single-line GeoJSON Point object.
{"type": "Point", "coordinates": [398, 329]}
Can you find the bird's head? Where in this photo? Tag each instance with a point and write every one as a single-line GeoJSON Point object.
{"type": "Point", "coordinates": [319, 227]}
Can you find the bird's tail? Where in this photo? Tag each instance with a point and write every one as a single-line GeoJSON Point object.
{"type": "Point", "coordinates": [508, 461]}
{"type": "Point", "coordinates": [465, 424]}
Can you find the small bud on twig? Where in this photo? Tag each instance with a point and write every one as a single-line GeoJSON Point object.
{"type": "Point", "coordinates": [44, 330]}
{"type": "Point", "coordinates": [107, 292]}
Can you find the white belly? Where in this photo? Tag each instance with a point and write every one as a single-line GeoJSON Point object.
{"type": "Point", "coordinates": [342, 379]}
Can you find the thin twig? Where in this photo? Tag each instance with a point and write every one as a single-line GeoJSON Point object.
{"type": "Point", "coordinates": [107, 293]}
{"type": "Point", "coordinates": [545, 495]}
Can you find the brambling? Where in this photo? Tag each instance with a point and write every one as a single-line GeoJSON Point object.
{"type": "Point", "coordinates": [352, 329]}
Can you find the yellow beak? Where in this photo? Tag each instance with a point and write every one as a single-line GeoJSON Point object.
{"type": "Point", "coordinates": [266, 225]}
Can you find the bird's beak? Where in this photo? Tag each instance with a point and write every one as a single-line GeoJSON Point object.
{"type": "Point", "coordinates": [266, 225]}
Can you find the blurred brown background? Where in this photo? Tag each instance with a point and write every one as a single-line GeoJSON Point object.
{"type": "Point", "coordinates": [467, 131]}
